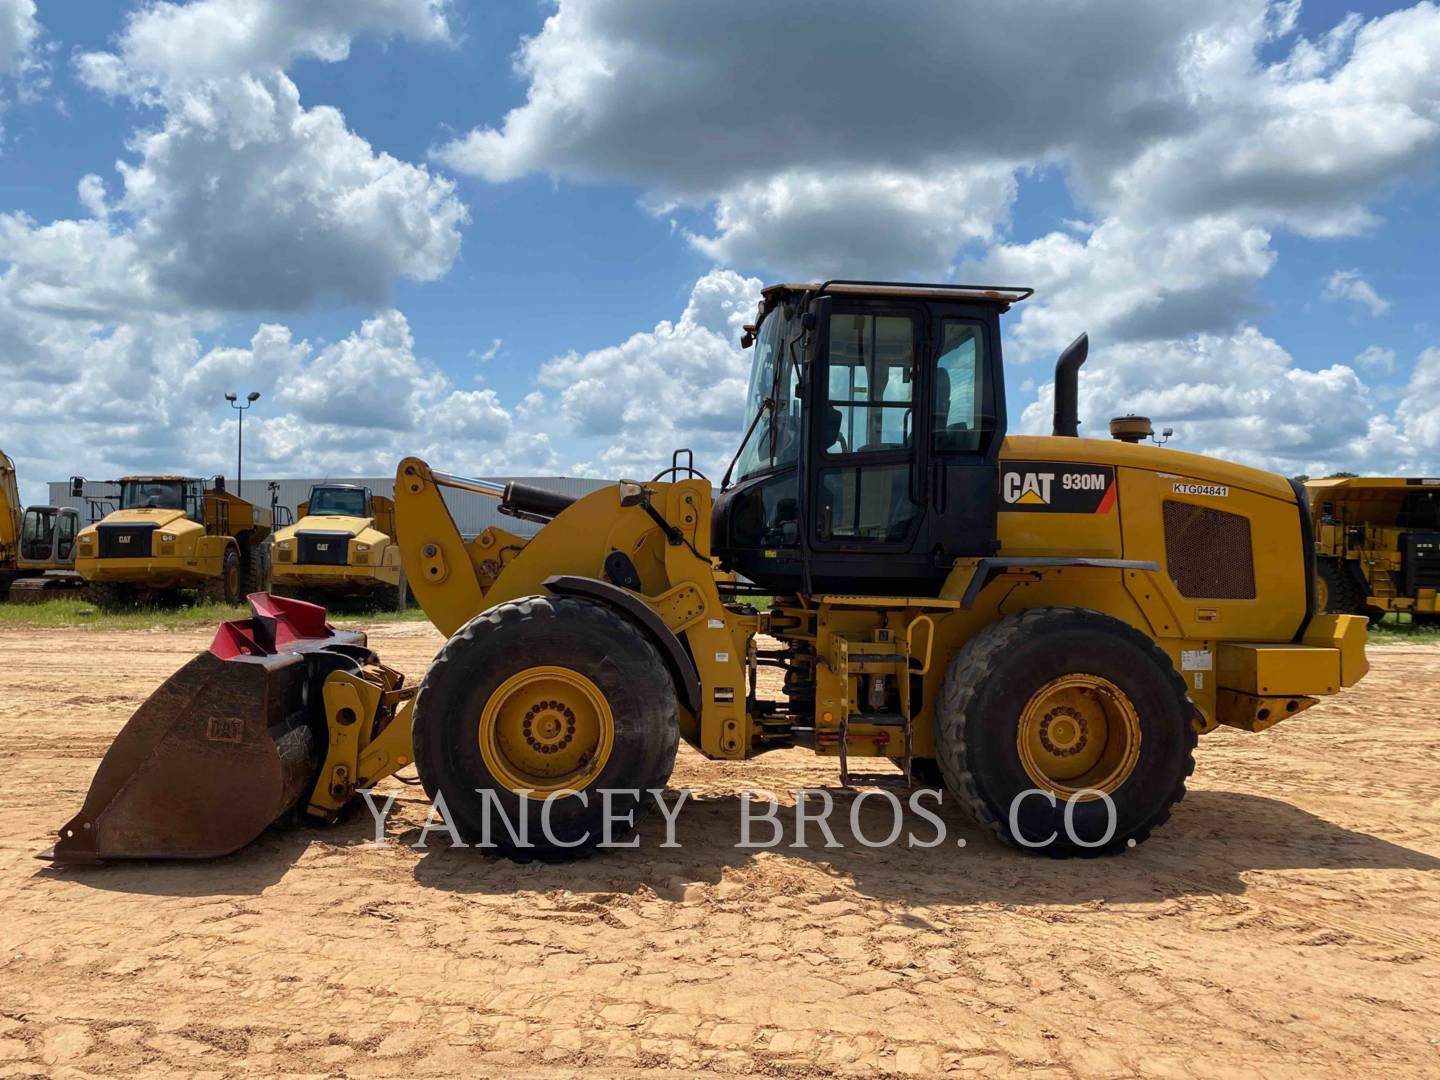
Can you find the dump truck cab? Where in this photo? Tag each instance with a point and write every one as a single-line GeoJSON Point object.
{"type": "Point", "coordinates": [1378, 545]}
{"type": "Point", "coordinates": [342, 544]}
{"type": "Point", "coordinates": [1043, 626]}
{"type": "Point", "coordinates": [174, 532]}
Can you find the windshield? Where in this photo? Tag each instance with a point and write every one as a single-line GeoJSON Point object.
{"type": "Point", "coordinates": [775, 440]}
{"type": "Point", "coordinates": [348, 502]}
{"type": "Point", "coordinates": [151, 495]}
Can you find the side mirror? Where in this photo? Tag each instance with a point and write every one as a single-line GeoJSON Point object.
{"type": "Point", "coordinates": [77, 487]}
{"type": "Point", "coordinates": [747, 339]}
{"type": "Point", "coordinates": [218, 484]}
{"type": "Point", "coordinates": [631, 493]}
{"type": "Point", "coordinates": [816, 324]}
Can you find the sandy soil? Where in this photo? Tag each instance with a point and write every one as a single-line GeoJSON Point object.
{"type": "Point", "coordinates": [1285, 921]}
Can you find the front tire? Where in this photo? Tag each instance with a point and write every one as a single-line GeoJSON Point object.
{"type": "Point", "coordinates": [556, 695]}
{"type": "Point", "coordinates": [1044, 708]}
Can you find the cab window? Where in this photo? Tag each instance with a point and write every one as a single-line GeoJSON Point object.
{"type": "Point", "coordinates": [65, 545]}
{"type": "Point", "coordinates": [338, 501]}
{"type": "Point", "coordinates": [961, 416]}
{"type": "Point", "coordinates": [871, 383]}
{"type": "Point", "coordinates": [151, 495]}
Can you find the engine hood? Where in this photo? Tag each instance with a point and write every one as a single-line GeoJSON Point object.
{"type": "Point", "coordinates": [361, 528]}
{"type": "Point", "coordinates": [160, 517]}
{"type": "Point", "coordinates": [1157, 459]}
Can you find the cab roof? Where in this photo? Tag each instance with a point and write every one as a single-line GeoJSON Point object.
{"type": "Point", "coordinates": [1001, 295]}
{"type": "Point", "coordinates": [159, 479]}
{"type": "Point", "coordinates": [998, 296]}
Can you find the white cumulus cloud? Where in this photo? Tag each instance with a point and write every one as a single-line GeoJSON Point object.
{"type": "Point", "coordinates": [168, 47]}
{"type": "Point", "coordinates": [1349, 287]}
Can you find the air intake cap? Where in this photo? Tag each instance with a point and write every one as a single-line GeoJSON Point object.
{"type": "Point", "coordinates": [1131, 429]}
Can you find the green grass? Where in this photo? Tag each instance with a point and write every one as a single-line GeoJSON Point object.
{"type": "Point", "coordinates": [71, 612]}
{"type": "Point", "coordinates": [1392, 631]}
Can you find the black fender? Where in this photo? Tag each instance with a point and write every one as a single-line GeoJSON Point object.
{"type": "Point", "coordinates": [672, 649]}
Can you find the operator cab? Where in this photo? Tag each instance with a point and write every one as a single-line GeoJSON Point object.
{"type": "Point", "coordinates": [164, 493]}
{"type": "Point", "coordinates": [339, 500]}
{"type": "Point", "coordinates": [47, 535]}
{"type": "Point", "coordinates": [876, 414]}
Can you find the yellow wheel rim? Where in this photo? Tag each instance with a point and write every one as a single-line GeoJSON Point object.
{"type": "Point", "coordinates": [1079, 733]}
{"type": "Point", "coordinates": [1322, 593]}
{"type": "Point", "coordinates": [546, 729]}
{"type": "Point", "coordinates": [233, 580]}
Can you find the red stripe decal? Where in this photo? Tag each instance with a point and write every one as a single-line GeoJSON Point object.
{"type": "Point", "coordinates": [1108, 502]}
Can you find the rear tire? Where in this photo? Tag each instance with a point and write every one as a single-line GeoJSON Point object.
{"type": "Point", "coordinates": [257, 571]}
{"type": "Point", "coordinates": [226, 588]}
{"type": "Point", "coordinates": [470, 696]}
{"type": "Point", "coordinates": [1339, 594]}
{"type": "Point", "coordinates": [1001, 721]}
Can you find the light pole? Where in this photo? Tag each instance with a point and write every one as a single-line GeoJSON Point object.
{"type": "Point", "coordinates": [250, 399]}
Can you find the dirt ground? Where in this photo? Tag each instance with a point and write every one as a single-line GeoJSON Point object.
{"type": "Point", "coordinates": [1285, 921]}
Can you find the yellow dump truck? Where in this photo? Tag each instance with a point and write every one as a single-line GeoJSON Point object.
{"type": "Point", "coordinates": [343, 545]}
{"type": "Point", "coordinates": [1377, 540]}
{"type": "Point", "coordinates": [171, 533]}
{"type": "Point", "coordinates": [37, 544]}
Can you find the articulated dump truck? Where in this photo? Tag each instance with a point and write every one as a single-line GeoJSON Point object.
{"type": "Point", "coordinates": [1043, 626]}
{"type": "Point", "coordinates": [175, 532]}
{"type": "Point", "coordinates": [343, 545]}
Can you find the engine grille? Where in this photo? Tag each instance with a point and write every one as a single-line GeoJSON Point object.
{"type": "Point", "coordinates": [1420, 561]}
{"type": "Point", "coordinates": [323, 548]}
{"type": "Point", "coordinates": [125, 541]}
{"type": "Point", "coordinates": [1208, 552]}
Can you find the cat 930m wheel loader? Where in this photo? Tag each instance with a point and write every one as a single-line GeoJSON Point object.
{"type": "Point", "coordinates": [1044, 625]}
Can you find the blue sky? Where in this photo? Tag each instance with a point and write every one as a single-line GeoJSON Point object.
{"type": "Point", "coordinates": [347, 204]}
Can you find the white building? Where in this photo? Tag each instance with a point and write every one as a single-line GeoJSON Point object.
{"type": "Point", "coordinates": [473, 513]}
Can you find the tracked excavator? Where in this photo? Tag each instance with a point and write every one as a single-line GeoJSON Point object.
{"type": "Point", "coordinates": [37, 544]}
{"type": "Point", "coordinates": [1044, 625]}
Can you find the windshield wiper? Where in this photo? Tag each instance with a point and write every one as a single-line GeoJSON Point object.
{"type": "Point", "coordinates": [765, 406]}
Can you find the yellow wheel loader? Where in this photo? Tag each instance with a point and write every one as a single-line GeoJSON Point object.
{"type": "Point", "coordinates": [174, 532]}
{"type": "Point", "coordinates": [1378, 542]}
{"type": "Point", "coordinates": [1042, 625]}
{"type": "Point", "coordinates": [343, 545]}
{"type": "Point", "coordinates": [37, 544]}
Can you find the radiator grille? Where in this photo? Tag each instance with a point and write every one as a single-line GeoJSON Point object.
{"type": "Point", "coordinates": [1208, 552]}
{"type": "Point", "coordinates": [1420, 561]}
{"type": "Point", "coordinates": [324, 548]}
{"type": "Point", "coordinates": [125, 541]}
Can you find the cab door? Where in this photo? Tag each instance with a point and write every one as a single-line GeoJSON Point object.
{"type": "Point", "coordinates": [865, 394]}
{"type": "Point", "coordinates": [37, 534]}
{"type": "Point", "coordinates": [67, 528]}
{"type": "Point", "coordinates": [966, 425]}
{"type": "Point", "coordinates": [867, 453]}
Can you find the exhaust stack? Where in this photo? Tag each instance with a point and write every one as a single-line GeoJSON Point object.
{"type": "Point", "coordinates": [1067, 387]}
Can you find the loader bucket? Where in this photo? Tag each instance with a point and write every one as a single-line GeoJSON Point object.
{"type": "Point", "coordinates": [227, 746]}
